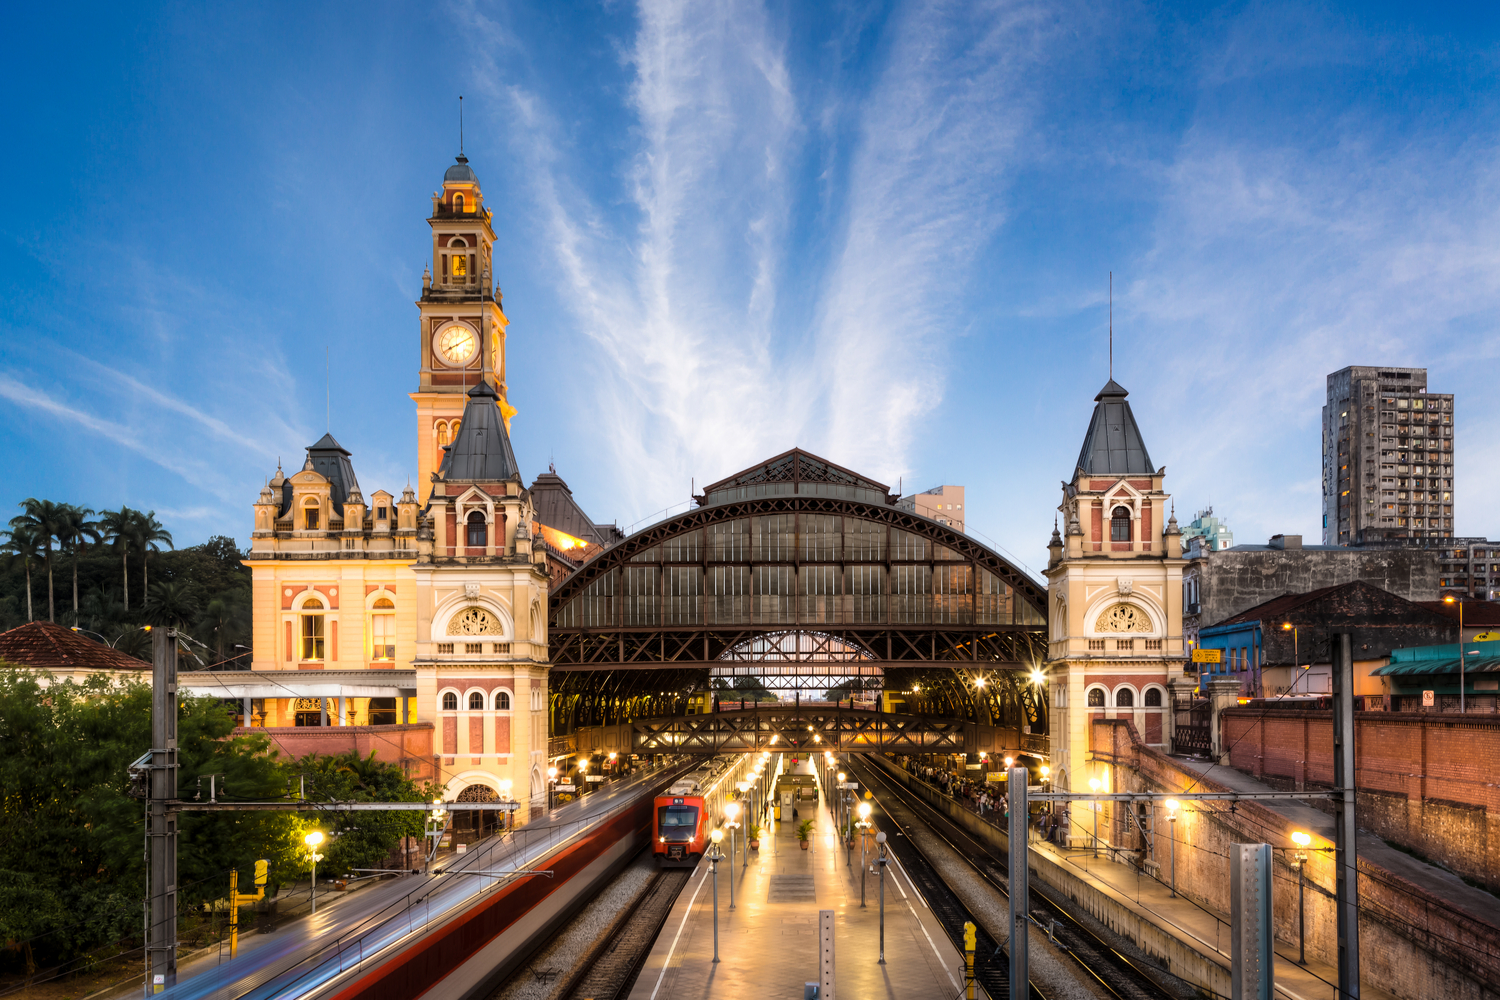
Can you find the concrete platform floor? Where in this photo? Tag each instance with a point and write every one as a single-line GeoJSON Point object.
{"type": "Point", "coordinates": [769, 947]}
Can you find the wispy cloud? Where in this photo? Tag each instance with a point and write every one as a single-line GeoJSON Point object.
{"type": "Point", "coordinates": [695, 293]}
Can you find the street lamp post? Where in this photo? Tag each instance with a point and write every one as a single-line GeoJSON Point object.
{"type": "Point", "coordinates": [505, 786]}
{"type": "Point", "coordinates": [713, 872]}
{"type": "Point", "coordinates": [1296, 655]}
{"type": "Point", "coordinates": [746, 789]}
{"type": "Point", "coordinates": [551, 789]}
{"type": "Point", "coordinates": [1301, 840]}
{"type": "Point", "coordinates": [583, 776]}
{"type": "Point", "coordinates": [1172, 839]}
{"type": "Point", "coordinates": [1094, 784]}
{"type": "Point", "coordinates": [1461, 665]}
{"type": "Point", "coordinates": [732, 811]}
{"type": "Point", "coordinates": [312, 840]}
{"type": "Point", "coordinates": [864, 824]}
{"type": "Point", "coordinates": [880, 846]}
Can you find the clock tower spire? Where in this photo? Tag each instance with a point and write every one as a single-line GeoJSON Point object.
{"type": "Point", "coordinates": [461, 326]}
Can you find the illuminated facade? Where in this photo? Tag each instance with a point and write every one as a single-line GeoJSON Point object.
{"type": "Point", "coordinates": [1114, 593]}
{"type": "Point", "coordinates": [413, 624]}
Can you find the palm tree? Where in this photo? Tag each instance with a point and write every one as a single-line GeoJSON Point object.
{"type": "Point", "coordinates": [146, 533]}
{"type": "Point", "coordinates": [75, 529]}
{"type": "Point", "coordinates": [46, 519]}
{"type": "Point", "coordinates": [115, 526]}
{"type": "Point", "coordinates": [172, 602]}
{"type": "Point", "coordinates": [223, 618]}
{"type": "Point", "coordinates": [23, 541]}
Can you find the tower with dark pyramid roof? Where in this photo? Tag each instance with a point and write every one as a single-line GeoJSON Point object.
{"type": "Point", "coordinates": [1115, 648]}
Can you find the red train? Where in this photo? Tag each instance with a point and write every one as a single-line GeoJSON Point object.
{"type": "Point", "coordinates": [680, 826]}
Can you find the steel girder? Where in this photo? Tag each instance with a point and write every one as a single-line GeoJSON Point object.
{"type": "Point", "coordinates": [813, 729]}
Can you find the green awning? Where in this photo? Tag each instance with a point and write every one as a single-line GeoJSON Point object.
{"type": "Point", "coordinates": [1440, 665]}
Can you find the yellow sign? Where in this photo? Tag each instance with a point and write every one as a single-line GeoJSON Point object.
{"type": "Point", "coordinates": [1486, 637]}
{"type": "Point", "coordinates": [1208, 656]}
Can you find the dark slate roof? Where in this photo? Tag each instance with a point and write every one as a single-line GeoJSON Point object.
{"type": "Point", "coordinates": [47, 646]}
{"type": "Point", "coordinates": [481, 452]}
{"type": "Point", "coordinates": [556, 508]}
{"type": "Point", "coordinates": [331, 461]}
{"type": "Point", "coordinates": [1476, 613]}
{"type": "Point", "coordinates": [1379, 604]}
{"type": "Point", "coordinates": [794, 467]}
{"type": "Point", "coordinates": [1113, 445]}
{"type": "Point", "coordinates": [461, 171]}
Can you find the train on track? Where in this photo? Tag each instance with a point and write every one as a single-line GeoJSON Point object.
{"type": "Point", "coordinates": [685, 816]}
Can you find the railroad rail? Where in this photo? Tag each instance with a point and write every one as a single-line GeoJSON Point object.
{"type": "Point", "coordinates": [1117, 973]}
{"type": "Point", "coordinates": [610, 969]}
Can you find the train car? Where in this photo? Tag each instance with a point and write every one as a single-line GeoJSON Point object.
{"type": "Point", "coordinates": [690, 810]}
{"type": "Point", "coordinates": [680, 824]}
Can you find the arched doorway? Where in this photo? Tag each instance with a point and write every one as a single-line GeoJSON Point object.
{"type": "Point", "coordinates": [471, 825]}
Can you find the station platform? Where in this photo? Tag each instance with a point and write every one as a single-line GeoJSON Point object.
{"type": "Point", "coordinates": [768, 945]}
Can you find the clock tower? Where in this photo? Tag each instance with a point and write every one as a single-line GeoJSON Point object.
{"type": "Point", "coordinates": [461, 338]}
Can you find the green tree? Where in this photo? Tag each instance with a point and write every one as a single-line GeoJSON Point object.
{"type": "Point", "coordinates": [24, 542]}
{"type": "Point", "coordinates": [71, 834]}
{"type": "Point", "coordinates": [117, 528]}
{"type": "Point", "coordinates": [46, 519]}
{"type": "Point", "coordinates": [74, 530]}
{"type": "Point", "coordinates": [173, 602]}
{"type": "Point", "coordinates": [148, 535]}
{"type": "Point", "coordinates": [362, 839]}
{"type": "Point", "coordinates": [223, 622]}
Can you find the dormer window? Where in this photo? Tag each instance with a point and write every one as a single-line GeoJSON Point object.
{"type": "Point", "coordinates": [476, 530]}
{"type": "Point", "coordinates": [380, 514]}
{"type": "Point", "coordinates": [310, 519]}
{"type": "Point", "coordinates": [1119, 525]}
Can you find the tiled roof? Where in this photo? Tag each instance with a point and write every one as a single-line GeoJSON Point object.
{"type": "Point", "coordinates": [48, 646]}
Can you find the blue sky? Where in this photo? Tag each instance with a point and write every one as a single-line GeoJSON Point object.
{"type": "Point", "coordinates": [879, 231]}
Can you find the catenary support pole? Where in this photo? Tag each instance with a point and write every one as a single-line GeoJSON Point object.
{"type": "Point", "coordinates": [1346, 891]}
{"type": "Point", "coordinates": [161, 822]}
{"type": "Point", "coordinates": [1019, 889]}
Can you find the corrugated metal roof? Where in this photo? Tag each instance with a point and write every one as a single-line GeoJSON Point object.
{"type": "Point", "coordinates": [481, 452]}
{"type": "Point", "coordinates": [1446, 665]}
{"type": "Point", "coordinates": [48, 646]}
{"type": "Point", "coordinates": [1113, 444]}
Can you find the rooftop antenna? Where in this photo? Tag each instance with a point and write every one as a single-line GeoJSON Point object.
{"type": "Point", "coordinates": [460, 124]}
{"type": "Point", "coordinates": [1111, 326]}
{"type": "Point", "coordinates": [327, 392]}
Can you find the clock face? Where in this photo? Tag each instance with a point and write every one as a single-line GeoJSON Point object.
{"type": "Point", "coordinates": [456, 345]}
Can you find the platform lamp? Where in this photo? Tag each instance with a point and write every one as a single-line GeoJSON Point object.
{"type": "Point", "coordinates": [551, 788]}
{"type": "Point", "coordinates": [882, 861]}
{"type": "Point", "coordinates": [731, 823]}
{"type": "Point", "coordinates": [1302, 841]}
{"type": "Point", "coordinates": [838, 818]}
{"type": "Point", "coordinates": [744, 787]}
{"type": "Point", "coordinates": [864, 824]}
{"type": "Point", "coordinates": [312, 840]}
{"type": "Point", "coordinates": [714, 858]}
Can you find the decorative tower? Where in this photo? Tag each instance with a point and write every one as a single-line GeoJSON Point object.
{"type": "Point", "coordinates": [461, 325]}
{"type": "Point", "coordinates": [1114, 593]}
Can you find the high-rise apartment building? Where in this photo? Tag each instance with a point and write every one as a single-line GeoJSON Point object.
{"type": "Point", "coordinates": [1387, 457]}
{"type": "Point", "coordinates": [944, 504]}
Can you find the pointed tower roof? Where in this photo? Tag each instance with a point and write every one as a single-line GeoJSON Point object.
{"type": "Point", "coordinates": [481, 452]}
{"type": "Point", "coordinates": [1113, 445]}
{"type": "Point", "coordinates": [330, 460]}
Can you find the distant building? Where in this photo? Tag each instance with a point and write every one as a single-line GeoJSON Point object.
{"type": "Point", "coordinates": [1212, 533]}
{"type": "Point", "coordinates": [1436, 668]}
{"type": "Point", "coordinates": [1217, 585]}
{"type": "Point", "coordinates": [1466, 566]}
{"type": "Point", "coordinates": [1260, 649]}
{"type": "Point", "coordinates": [1387, 457]}
{"type": "Point", "coordinates": [944, 504]}
{"type": "Point", "coordinates": [567, 534]}
{"type": "Point", "coordinates": [1481, 619]}
{"type": "Point", "coordinates": [67, 655]}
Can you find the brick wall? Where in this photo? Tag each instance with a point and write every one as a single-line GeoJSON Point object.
{"type": "Point", "coordinates": [1424, 782]}
{"type": "Point", "coordinates": [411, 744]}
{"type": "Point", "coordinates": [1412, 943]}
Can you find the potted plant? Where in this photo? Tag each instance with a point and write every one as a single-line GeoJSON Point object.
{"type": "Point", "coordinates": [804, 832]}
{"type": "Point", "coordinates": [753, 833]}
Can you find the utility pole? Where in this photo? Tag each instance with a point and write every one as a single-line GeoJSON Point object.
{"type": "Point", "coordinates": [1345, 855]}
{"type": "Point", "coordinates": [1015, 782]}
{"type": "Point", "coordinates": [161, 820]}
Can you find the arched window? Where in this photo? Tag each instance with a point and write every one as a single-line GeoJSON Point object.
{"type": "Point", "coordinates": [458, 206]}
{"type": "Point", "coordinates": [1124, 698]}
{"type": "Point", "coordinates": [442, 434]}
{"type": "Point", "coordinates": [502, 701]}
{"type": "Point", "coordinates": [312, 630]}
{"type": "Point", "coordinates": [476, 702]}
{"type": "Point", "coordinates": [450, 702]}
{"type": "Point", "coordinates": [1153, 698]}
{"type": "Point", "coordinates": [383, 630]}
{"type": "Point", "coordinates": [1096, 698]}
{"type": "Point", "coordinates": [476, 530]}
{"type": "Point", "coordinates": [1119, 525]}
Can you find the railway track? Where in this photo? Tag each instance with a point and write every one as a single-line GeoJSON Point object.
{"type": "Point", "coordinates": [610, 968]}
{"type": "Point", "coordinates": [1112, 970]}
